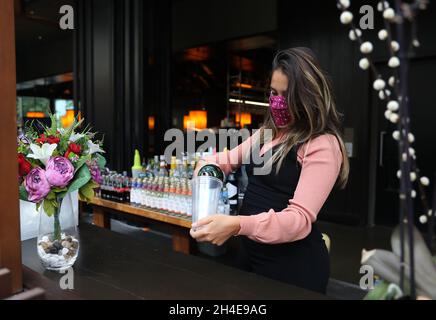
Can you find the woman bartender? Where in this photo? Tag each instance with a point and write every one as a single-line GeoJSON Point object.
{"type": "Point", "coordinates": [276, 223]}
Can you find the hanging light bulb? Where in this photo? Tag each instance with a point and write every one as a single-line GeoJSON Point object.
{"type": "Point", "coordinates": [393, 105]}
{"type": "Point", "coordinates": [389, 14]}
{"type": "Point", "coordinates": [346, 17]}
{"type": "Point", "coordinates": [366, 47]}
{"type": "Point", "coordinates": [354, 34]}
{"type": "Point", "coordinates": [382, 34]}
{"type": "Point", "coordinates": [364, 63]}
{"type": "Point", "coordinates": [425, 181]}
{"type": "Point", "coordinates": [379, 84]}
{"type": "Point", "coordinates": [395, 46]}
{"type": "Point", "coordinates": [394, 62]}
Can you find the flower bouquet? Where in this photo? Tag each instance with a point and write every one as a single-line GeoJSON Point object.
{"type": "Point", "coordinates": [52, 165]}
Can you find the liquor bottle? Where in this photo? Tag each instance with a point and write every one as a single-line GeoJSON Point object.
{"type": "Point", "coordinates": [232, 187]}
{"type": "Point", "coordinates": [173, 166]}
{"type": "Point", "coordinates": [133, 193]}
{"type": "Point", "coordinates": [162, 169]}
{"type": "Point", "coordinates": [136, 168]}
{"type": "Point", "coordinates": [211, 170]}
{"type": "Point", "coordinates": [225, 197]}
{"type": "Point", "coordinates": [156, 166]}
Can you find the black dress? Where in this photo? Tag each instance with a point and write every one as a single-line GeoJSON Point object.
{"type": "Point", "coordinates": [304, 263]}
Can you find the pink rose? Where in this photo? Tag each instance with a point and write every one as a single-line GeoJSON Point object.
{"type": "Point", "coordinates": [59, 171]}
{"type": "Point", "coordinates": [36, 185]}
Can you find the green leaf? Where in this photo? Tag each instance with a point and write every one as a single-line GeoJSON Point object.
{"type": "Point", "coordinates": [82, 161]}
{"type": "Point", "coordinates": [23, 193]}
{"type": "Point", "coordinates": [379, 292]}
{"type": "Point", "coordinates": [57, 189]}
{"type": "Point", "coordinates": [80, 179]}
{"type": "Point", "coordinates": [87, 192]}
{"type": "Point", "coordinates": [51, 195]}
{"type": "Point", "coordinates": [38, 205]}
{"type": "Point", "coordinates": [49, 207]}
{"type": "Point", "coordinates": [101, 161]}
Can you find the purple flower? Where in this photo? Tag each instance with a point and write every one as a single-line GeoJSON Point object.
{"type": "Point", "coordinates": [59, 171]}
{"type": "Point", "coordinates": [36, 185]}
{"type": "Point", "coordinates": [23, 139]}
{"type": "Point", "coordinates": [95, 172]}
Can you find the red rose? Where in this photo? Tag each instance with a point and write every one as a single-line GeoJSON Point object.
{"type": "Point", "coordinates": [24, 166]}
{"type": "Point", "coordinates": [75, 148]}
{"type": "Point", "coordinates": [53, 139]}
{"type": "Point", "coordinates": [41, 138]}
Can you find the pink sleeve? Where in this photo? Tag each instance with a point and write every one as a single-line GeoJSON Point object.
{"type": "Point", "coordinates": [321, 160]}
{"type": "Point", "coordinates": [231, 160]}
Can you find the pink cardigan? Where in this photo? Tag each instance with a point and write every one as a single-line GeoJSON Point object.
{"type": "Point", "coordinates": [321, 160]}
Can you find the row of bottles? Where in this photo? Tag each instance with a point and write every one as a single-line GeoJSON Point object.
{"type": "Point", "coordinates": [171, 194]}
{"type": "Point", "coordinates": [115, 187]}
{"type": "Point", "coordinates": [158, 167]}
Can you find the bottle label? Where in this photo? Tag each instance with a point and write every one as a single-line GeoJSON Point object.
{"type": "Point", "coordinates": [231, 189]}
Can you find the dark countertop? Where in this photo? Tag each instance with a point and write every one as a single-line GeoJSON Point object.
{"type": "Point", "coordinates": [115, 266]}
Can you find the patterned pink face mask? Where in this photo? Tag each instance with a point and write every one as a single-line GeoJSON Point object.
{"type": "Point", "coordinates": [279, 110]}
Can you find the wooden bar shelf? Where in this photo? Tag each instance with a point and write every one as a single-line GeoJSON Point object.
{"type": "Point", "coordinates": [180, 226]}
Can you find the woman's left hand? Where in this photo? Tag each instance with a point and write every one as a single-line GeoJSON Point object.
{"type": "Point", "coordinates": [215, 229]}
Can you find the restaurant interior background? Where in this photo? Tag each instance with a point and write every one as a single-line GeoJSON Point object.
{"type": "Point", "coordinates": [134, 69]}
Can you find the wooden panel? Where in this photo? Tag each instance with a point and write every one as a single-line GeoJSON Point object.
{"type": "Point", "coordinates": [155, 215]}
{"type": "Point", "coordinates": [32, 294]}
{"type": "Point", "coordinates": [100, 218]}
{"type": "Point", "coordinates": [10, 245]}
{"type": "Point", "coordinates": [181, 241]}
{"type": "Point", "coordinates": [5, 283]}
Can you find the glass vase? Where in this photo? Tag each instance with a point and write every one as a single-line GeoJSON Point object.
{"type": "Point", "coordinates": [58, 241]}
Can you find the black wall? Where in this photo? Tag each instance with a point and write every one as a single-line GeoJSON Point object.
{"type": "Point", "coordinates": [48, 59]}
{"type": "Point", "coordinates": [199, 22]}
{"type": "Point", "coordinates": [316, 24]}
{"type": "Point", "coordinates": [123, 73]}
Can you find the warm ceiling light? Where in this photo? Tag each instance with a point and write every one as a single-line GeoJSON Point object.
{"type": "Point", "coordinates": [185, 121]}
{"type": "Point", "coordinates": [35, 114]}
{"type": "Point", "coordinates": [68, 119]}
{"type": "Point", "coordinates": [151, 123]}
{"type": "Point", "coordinates": [244, 85]}
{"type": "Point", "coordinates": [199, 117]}
{"type": "Point", "coordinates": [244, 118]}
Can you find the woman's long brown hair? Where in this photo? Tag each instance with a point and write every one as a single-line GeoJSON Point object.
{"type": "Point", "coordinates": [311, 104]}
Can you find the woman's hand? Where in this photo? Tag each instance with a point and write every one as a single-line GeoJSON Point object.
{"type": "Point", "coordinates": [215, 229]}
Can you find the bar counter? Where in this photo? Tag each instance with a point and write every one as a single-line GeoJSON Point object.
{"type": "Point", "coordinates": [114, 266]}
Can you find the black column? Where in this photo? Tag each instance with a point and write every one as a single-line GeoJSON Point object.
{"type": "Point", "coordinates": [123, 63]}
